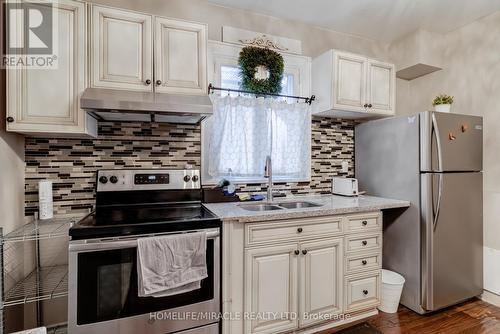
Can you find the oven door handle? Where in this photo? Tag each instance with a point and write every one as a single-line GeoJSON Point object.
{"type": "Point", "coordinates": [107, 244]}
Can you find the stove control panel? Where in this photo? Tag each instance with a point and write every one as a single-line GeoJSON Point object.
{"type": "Point", "coordinates": [150, 179]}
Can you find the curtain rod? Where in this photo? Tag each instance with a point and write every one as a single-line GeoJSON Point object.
{"type": "Point", "coordinates": [308, 100]}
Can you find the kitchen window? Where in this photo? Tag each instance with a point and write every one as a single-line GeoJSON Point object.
{"type": "Point", "coordinates": [244, 130]}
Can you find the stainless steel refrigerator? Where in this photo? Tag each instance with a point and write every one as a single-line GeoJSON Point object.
{"type": "Point", "coordinates": [433, 160]}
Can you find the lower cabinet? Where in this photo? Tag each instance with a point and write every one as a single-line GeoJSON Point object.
{"type": "Point", "coordinates": [277, 277]}
{"type": "Point", "coordinates": [320, 272]}
{"type": "Point", "coordinates": [301, 274]}
{"type": "Point", "coordinates": [271, 294]}
{"type": "Point", "coordinates": [362, 291]}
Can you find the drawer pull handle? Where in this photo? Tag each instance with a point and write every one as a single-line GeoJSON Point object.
{"type": "Point", "coordinates": [304, 251]}
{"type": "Point", "coordinates": [364, 222]}
{"type": "Point", "coordinates": [299, 230]}
{"type": "Point", "coordinates": [297, 252]}
{"type": "Point", "coordinates": [364, 262]}
{"type": "Point", "coordinates": [364, 242]}
{"type": "Point", "coordinates": [148, 82]}
{"type": "Point", "coordinates": [365, 292]}
{"type": "Point", "coordinates": [10, 119]}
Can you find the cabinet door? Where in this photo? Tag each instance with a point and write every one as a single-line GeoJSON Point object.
{"type": "Point", "coordinates": [48, 100]}
{"type": "Point", "coordinates": [122, 54]}
{"type": "Point", "coordinates": [350, 82]}
{"type": "Point", "coordinates": [380, 87]}
{"type": "Point", "coordinates": [180, 57]}
{"type": "Point", "coordinates": [321, 270]}
{"type": "Point", "coordinates": [271, 288]}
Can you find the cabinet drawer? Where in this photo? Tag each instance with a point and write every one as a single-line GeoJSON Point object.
{"type": "Point", "coordinates": [364, 223]}
{"type": "Point", "coordinates": [362, 291]}
{"type": "Point", "coordinates": [363, 242]}
{"type": "Point", "coordinates": [258, 233]}
{"type": "Point", "coordinates": [363, 262]}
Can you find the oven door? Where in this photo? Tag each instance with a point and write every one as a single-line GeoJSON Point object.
{"type": "Point", "coordinates": [103, 295]}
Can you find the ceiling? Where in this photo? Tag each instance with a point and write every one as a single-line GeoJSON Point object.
{"type": "Point", "coordinates": [383, 20]}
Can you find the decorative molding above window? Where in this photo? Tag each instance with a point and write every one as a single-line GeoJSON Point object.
{"type": "Point", "coordinates": [248, 37]}
{"type": "Point", "coordinates": [263, 41]}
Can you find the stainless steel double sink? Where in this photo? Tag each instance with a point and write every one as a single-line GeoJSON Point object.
{"type": "Point", "coordinates": [279, 206]}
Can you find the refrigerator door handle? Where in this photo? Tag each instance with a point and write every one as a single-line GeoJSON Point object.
{"type": "Point", "coordinates": [435, 129]}
{"type": "Point", "coordinates": [438, 206]}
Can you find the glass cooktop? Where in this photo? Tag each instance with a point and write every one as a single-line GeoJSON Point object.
{"type": "Point", "coordinates": [142, 219]}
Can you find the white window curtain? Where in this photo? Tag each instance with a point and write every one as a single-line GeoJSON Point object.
{"type": "Point", "coordinates": [244, 130]}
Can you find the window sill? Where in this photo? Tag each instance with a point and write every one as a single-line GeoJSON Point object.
{"type": "Point", "coordinates": [237, 181]}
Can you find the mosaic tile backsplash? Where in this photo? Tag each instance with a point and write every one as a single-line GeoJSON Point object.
{"type": "Point", "coordinates": [72, 163]}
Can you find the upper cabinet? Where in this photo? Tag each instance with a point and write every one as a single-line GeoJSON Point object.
{"type": "Point", "coordinates": [48, 100]}
{"type": "Point", "coordinates": [122, 54]}
{"type": "Point", "coordinates": [349, 92]}
{"type": "Point", "coordinates": [352, 86]}
{"type": "Point", "coordinates": [127, 46]}
{"type": "Point", "coordinates": [103, 47]}
{"type": "Point", "coordinates": [381, 90]}
{"type": "Point", "coordinates": [180, 56]}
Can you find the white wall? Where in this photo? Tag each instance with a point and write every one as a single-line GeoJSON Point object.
{"type": "Point", "coordinates": [471, 73]}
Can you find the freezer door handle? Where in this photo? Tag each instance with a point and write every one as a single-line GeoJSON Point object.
{"type": "Point", "coordinates": [435, 129]}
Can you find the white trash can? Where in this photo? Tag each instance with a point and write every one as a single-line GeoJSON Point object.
{"type": "Point", "coordinates": [392, 286]}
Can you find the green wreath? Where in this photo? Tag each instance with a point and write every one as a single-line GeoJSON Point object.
{"type": "Point", "coordinates": [251, 59]}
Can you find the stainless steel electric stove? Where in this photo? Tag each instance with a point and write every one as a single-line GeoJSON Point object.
{"type": "Point", "coordinates": [133, 204]}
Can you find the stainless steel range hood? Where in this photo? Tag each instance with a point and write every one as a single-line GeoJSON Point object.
{"type": "Point", "coordinates": [122, 105]}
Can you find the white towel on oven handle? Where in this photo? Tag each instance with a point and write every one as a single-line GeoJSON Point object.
{"type": "Point", "coordinates": [171, 264]}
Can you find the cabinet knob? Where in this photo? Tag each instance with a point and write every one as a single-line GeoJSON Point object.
{"type": "Point", "coordinates": [365, 292]}
{"type": "Point", "coordinates": [10, 119]}
{"type": "Point", "coordinates": [297, 252]}
{"type": "Point", "coordinates": [369, 105]}
{"type": "Point", "coordinates": [304, 251]}
{"type": "Point", "coordinates": [364, 262]}
{"type": "Point", "coordinates": [365, 105]}
{"type": "Point", "coordinates": [158, 82]}
{"type": "Point", "coordinates": [364, 222]}
{"type": "Point", "coordinates": [364, 242]}
{"type": "Point", "coordinates": [148, 82]}
{"type": "Point", "coordinates": [299, 230]}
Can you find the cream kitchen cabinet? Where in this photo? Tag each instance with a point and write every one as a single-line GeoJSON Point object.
{"type": "Point", "coordinates": [277, 277]}
{"type": "Point", "coordinates": [352, 86]}
{"type": "Point", "coordinates": [300, 275]}
{"type": "Point", "coordinates": [47, 100]}
{"type": "Point", "coordinates": [122, 53]}
{"type": "Point", "coordinates": [271, 281]}
{"type": "Point", "coordinates": [320, 271]}
{"type": "Point", "coordinates": [380, 87]}
{"type": "Point", "coordinates": [180, 56]}
{"type": "Point", "coordinates": [135, 51]}
{"type": "Point", "coordinates": [349, 92]}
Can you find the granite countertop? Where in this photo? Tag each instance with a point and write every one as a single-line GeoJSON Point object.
{"type": "Point", "coordinates": [330, 205]}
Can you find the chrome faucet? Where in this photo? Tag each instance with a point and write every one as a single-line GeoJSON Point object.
{"type": "Point", "coordinates": [268, 173]}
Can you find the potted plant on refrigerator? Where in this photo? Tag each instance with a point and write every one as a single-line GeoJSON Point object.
{"type": "Point", "coordinates": [442, 103]}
